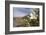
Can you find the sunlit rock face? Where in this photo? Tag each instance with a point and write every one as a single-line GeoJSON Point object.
{"type": "Point", "coordinates": [34, 13]}
{"type": "Point", "coordinates": [32, 16]}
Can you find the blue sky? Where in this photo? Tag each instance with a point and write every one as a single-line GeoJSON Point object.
{"type": "Point", "coordinates": [21, 12]}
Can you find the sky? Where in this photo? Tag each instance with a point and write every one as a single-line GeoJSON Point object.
{"type": "Point", "coordinates": [21, 12]}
